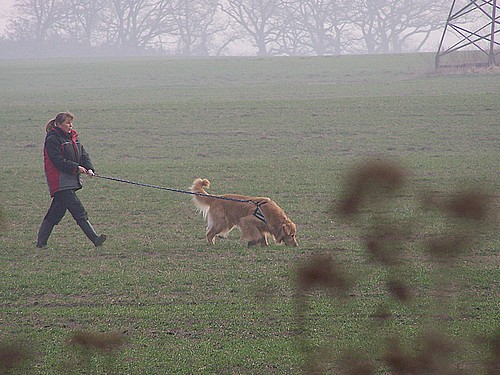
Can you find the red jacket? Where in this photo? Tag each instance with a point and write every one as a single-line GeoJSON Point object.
{"type": "Point", "coordinates": [62, 155]}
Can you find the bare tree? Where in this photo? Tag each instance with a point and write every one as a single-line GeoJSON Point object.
{"type": "Point", "coordinates": [262, 20]}
{"type": "Point", "coordinates": [204, 27]}
{"type": "Point", "coordinates": [321, 25]}
{"type": "Point", "coordinates": [85, 19]}
{"type": "Point", "coordinates": [135, 24]}
{"type": "Point", "coordinates": [388, 25]}
{"type": "Point", "coordinates": [195, 25]}
{"type": "Point", "coordinates": [37, 20]}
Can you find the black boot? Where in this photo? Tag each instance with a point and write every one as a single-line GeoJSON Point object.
{"type": "Point", "coordinates": [90, 232]}
{"type": "Point", "coordinates": [44, 234]}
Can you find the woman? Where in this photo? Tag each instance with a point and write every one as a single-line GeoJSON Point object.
{"type": "Point", "coordinates": [65, 160]}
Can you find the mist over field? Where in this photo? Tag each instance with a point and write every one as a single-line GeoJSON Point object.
{"type": "Point", "coordinates": [49, 28]}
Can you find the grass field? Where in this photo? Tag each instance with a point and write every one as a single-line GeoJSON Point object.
{"type": "Point", "coordinates": [367, 292]}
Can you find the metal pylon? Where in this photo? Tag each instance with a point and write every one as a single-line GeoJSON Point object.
{"type": "Point", "coordinates": [476, 36]}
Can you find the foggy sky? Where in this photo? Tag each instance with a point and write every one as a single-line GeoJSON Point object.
{"type": "Point", "coordinates": [7, 12]}
{"type": "Point", "coordinates": [5, 8]}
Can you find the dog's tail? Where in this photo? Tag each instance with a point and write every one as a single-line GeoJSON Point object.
{"type": "Point", "coordinates": [201, 203]}
{"type": "Point", "coordinates": [199, 185]}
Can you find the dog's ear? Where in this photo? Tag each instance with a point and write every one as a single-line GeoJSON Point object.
{"type": "Point", "coordinates": [289, 227]}
{"type": "Point", "coordinates": [286, 229]}
{"type": "Point", "coordinates": [281, 234]}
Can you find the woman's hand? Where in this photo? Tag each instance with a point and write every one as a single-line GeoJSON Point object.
{"type": "Point", "coordinates": [83, 170]}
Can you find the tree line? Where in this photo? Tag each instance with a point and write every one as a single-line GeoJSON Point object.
{"type": "Point", "coordinates": [218, 27]}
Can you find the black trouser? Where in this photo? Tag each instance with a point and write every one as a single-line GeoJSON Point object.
{"type": "Point", "coordinates": [62, 201]}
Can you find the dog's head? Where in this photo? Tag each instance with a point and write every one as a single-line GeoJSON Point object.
{"type": "Point", "coordinates": [287, 234]}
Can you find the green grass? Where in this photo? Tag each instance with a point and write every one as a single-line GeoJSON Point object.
{"type": "Point", "coordinates": [287, 128]}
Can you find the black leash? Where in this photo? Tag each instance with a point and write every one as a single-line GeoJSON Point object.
{"type": "Point", "coordinates": [258, 212]}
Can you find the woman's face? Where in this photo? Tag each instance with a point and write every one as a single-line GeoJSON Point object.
{"type": "Point", "coordinates": [67, 125]}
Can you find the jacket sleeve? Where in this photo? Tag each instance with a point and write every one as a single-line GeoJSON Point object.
{"type": "Point", "coordinates": [55, 154]}
{"type": "Point", "coordinates": [85, 160]}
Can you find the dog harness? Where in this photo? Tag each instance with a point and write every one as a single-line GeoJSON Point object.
{"type": "Point", "coordinates": [258, 212]}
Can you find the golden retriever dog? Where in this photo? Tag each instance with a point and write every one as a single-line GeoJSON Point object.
{"type": "Point", "coordinates": [256, 217]}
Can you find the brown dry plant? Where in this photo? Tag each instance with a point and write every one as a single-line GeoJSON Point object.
{"type": "Point", "coordinates": [13, 356]}
{"type": "Point", "coordinates": [468, 204]}
{"type": "Point", "coordinates": [321, 271]}
{"type": "Point", "coordinates": [100, 342]}
{"type": "Point", "coordinates": [399, 290]}
{"type": "Point", "coordinates": [371, 194]}
{"type": "Point", "coordinates": [371, 178]}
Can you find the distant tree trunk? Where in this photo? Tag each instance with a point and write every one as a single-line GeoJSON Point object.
{"type": "Point", "coordinates": [137, 23]}
{"type": "Point", "coordinates": [388, 25]}
{"type": "Point", "coordinates": [260, 19]}
{"type": "Point", "coordinates": [194, 25]}
{"type": "Point", "coordinates": [322, 23]}
{"type": "Point", "coordinates": [85, 19]}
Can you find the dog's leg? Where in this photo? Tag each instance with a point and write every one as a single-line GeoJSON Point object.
{"type": "Point", "coordinates": [225, 233]}
{"type": "Point", "coordinates": [253, 243]}
{"type": "Point", "coordinates": [211, 233]}
{"type": "Point", "coordinates": [210, 239]}
{"type": "Point", "coordinates": [250, 231]}
{"type": "Point", "coordinates": [263, 240]}
{"type": "Point", "coordinates": [260, 241]}
{"type": "Point", "coordinates": [211, 229]}
{"type": "Point", "coordinates": [216, 225]}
